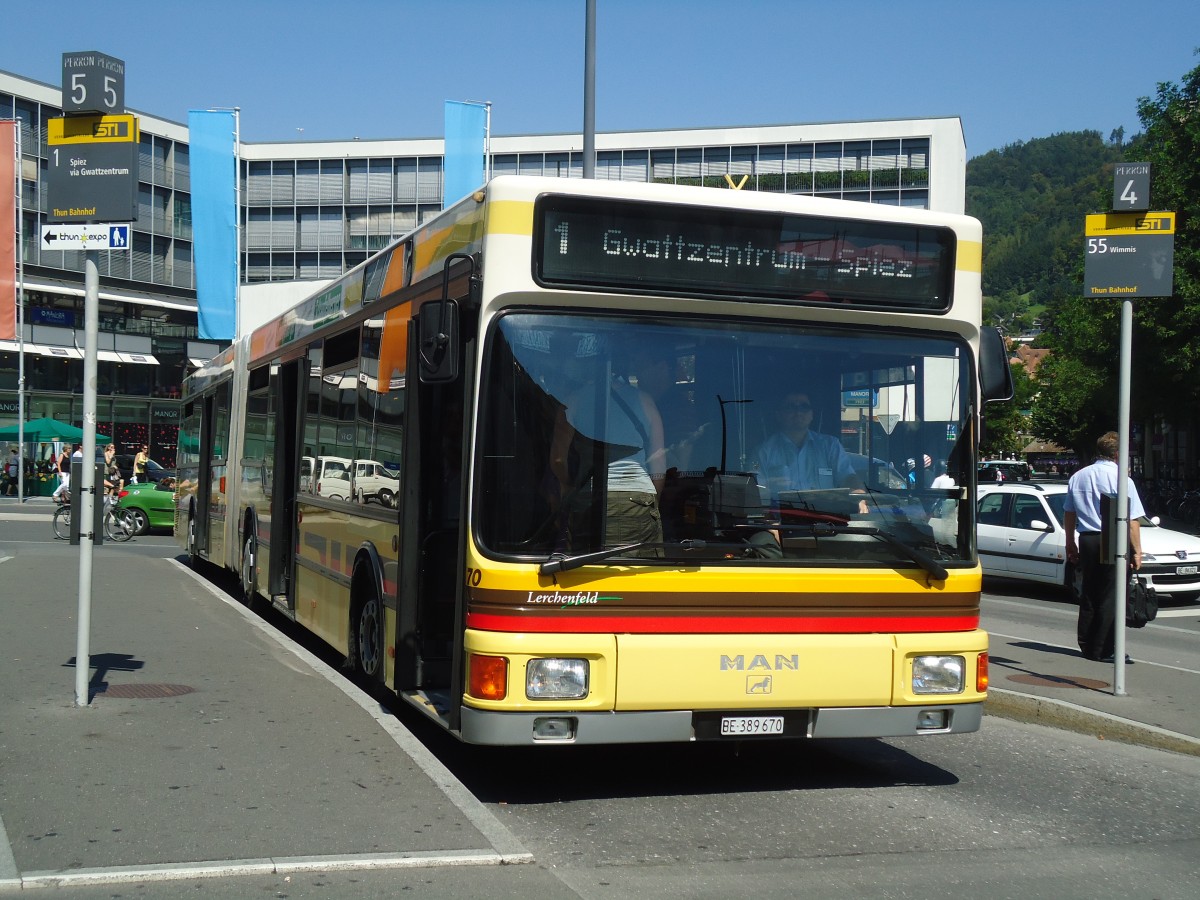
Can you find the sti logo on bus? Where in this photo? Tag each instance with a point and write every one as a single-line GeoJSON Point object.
{"type": "Point", "coordinates": [738, 663]}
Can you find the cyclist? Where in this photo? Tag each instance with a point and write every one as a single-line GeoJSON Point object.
{"type": "Point", "coordinates": [113, 483]}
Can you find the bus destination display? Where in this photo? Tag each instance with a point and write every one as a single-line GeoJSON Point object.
{"type": "Point", "coordinates": [671, 249]}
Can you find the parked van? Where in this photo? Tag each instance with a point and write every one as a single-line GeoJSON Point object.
{"type": "Point", "coordinates": [326, 476]}
{"type": "Point", "coordinates": [374, 481]}
{"type": "Point", "coordinates": [1014, 470]}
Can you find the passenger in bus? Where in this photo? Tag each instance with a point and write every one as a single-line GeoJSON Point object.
{"type": "Point", "coordinates": [685, 438]}
{"type": "Point", "coordinates": [796, 458]}
{"type": "Point", "coordinates": [632, 448]}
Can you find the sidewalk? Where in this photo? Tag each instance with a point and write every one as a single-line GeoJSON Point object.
{"type": "Point", "coordinates": [1056, 686]}
{"type": "Point", "coordinates": [211, 743]}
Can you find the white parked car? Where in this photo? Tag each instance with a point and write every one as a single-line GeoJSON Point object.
{"type": "Point", "coordinates": [1020, 535]}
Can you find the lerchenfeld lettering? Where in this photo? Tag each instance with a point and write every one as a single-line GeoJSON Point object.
{"type": "Point", "coordinates": [566, 598]}
{"type": "Point", "coordinates": [759, 662]}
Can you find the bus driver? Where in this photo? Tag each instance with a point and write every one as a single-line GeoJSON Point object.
{"type": "Point", "coordinates": [796, 458]}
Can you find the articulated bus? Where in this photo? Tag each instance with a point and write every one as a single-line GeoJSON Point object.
{"type": "Point", "coordinates": [597, 462]}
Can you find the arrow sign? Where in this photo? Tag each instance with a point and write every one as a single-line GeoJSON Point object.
{"type": "Point", "coordinates": [85, 237]}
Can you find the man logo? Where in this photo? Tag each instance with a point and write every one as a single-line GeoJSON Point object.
{"type": "Point", "coordinates": [758, 685]}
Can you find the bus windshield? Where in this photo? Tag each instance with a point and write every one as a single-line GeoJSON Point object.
{"type": "Point", "coordinates": [723, 441]}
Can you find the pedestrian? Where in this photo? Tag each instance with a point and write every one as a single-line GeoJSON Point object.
{"type": "Point", "coordinates": [1081, 512]}
{"type": "Point", "coordinates": [139, 464]}
{"type": "Point", "coordinates": [942, 481]}
{"type": "Point", "coordinates": [12, 471]}
{"type": "Point", "coordinates": [64, 474]}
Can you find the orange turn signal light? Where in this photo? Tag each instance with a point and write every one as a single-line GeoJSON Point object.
{"type": "Point", "coordinates": [488, 679]}
{"type": "Point", "coordinates": [981, 673]}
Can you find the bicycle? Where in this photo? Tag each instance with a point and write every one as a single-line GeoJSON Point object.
{"type": "Point", "coordinates": [62, 517]}
{"type": "Point", "coordinates": [118, 523]}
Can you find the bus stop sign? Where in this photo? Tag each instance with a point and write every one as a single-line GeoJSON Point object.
{"type": "Point", "coordinates": [1131, 187]}
{"type": "Point", "coordinates": [1129, 255]}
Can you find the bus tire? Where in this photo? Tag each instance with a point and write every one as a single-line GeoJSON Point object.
{"type": "Point", "coordinates": [249, 578]}
{"type": "Point", "coordinates": [193, 558]}
{"type": "Point", "coordinates": [366, 635]}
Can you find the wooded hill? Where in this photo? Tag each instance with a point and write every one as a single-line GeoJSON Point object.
{"type": "Point", "coordinates": [1032, 198]}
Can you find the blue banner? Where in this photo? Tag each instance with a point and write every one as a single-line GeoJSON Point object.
{"type": "Point", "coordinates": [211, 135]}
{"type": "Point", "coordinates": [466, 148]}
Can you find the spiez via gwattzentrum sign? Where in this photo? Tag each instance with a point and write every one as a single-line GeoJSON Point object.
{"type": "Point", "coordinates": [93, 171]}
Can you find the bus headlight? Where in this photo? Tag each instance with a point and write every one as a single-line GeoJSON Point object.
{"type": "Point", "coordinates": [938, 674]}
{"type": "Point", "coordinates": [556, 679]}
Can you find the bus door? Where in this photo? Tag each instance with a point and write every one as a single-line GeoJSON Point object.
{"type": "Point", "coordinates": [429, 649]}
{"type": "Point", "coordinates": [286, 399]}
{"type": "Point", "coordinates": [206, 405]}
{"type": "Point", "coordinates": [431, 522]}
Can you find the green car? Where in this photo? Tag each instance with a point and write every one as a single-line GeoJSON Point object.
{"type": "Point", "coordinates": [152, 504]}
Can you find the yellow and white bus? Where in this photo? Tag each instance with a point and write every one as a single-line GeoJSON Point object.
{"type": "Point", "coordinates": [636, 463]}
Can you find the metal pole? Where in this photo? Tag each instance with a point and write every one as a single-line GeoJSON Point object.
{"type": "Point", "coordinates": [1122, 548]}
{"type": "Point", "coordinates": [487, 144]}
{"type": "Point", "coordinates": [589, 93]}
{"type": "Point", "coordinates": [19, 157]}
{"type": "Point", "coordinates": [237, 213]}
{"type": "Point", "coordinates": [85, 492]}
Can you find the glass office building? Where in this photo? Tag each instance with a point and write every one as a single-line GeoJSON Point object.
{"type": "Point", "coordinates": [311, 210]}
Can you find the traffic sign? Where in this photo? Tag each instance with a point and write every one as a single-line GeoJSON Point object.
{"type": "Point", "coordinates": [93, 170]}
{"type": "Point", "coordinates": [1131, 187]}
{"type": "Point", "coordinates": [85, 237]}
{"type": "Point", "coordinates": [93, 82]}
{"type": "Point", "coordinates": [1129, 255]}
{"type": "Point", "coordinates": [92, 130]}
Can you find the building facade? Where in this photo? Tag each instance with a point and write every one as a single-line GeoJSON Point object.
{"type": "Point", "coordinates": [311, 210]}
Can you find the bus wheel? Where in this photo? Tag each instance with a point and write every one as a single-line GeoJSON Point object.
{"type": "Point", "coordinates": [367, 632]}
{"type": "Point", "coordinates": [249, 580]}
{"type": "Point", "coordinates": [193, 559]}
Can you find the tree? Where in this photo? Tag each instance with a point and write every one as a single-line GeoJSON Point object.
{"type": "Point", "coordinates": [1006, 425]}
{"type": "Point", "coordinates": [1078, 383]}
{"type": "Point", "coordinates": [1172, 147]}
{"type": "Point", "coordinates": [1008, 311]}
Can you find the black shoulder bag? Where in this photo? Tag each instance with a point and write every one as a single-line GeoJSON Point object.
{"type": "Point", "coordinates": [1141, 602]}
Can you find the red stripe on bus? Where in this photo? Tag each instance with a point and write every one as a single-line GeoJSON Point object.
{"type": "Point", "coordinates": [723, 624]}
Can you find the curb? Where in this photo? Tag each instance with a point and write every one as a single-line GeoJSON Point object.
{"type": "Point", "coordinates": [1081, 720]}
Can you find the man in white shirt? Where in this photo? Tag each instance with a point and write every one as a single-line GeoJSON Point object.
{"type": "Point", "coordinates": [1081, 512]}
{"type": "Point", "coordinates": [796, 458]}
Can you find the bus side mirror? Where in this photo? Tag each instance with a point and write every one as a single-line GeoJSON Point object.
{"type": "Point", "coordinates": [995, 374]}
{"type": "Point", "coordinates": [439, 325]}
{"type": "Point", "coordinates": [438, 341]}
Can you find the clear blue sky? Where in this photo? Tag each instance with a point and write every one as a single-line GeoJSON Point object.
{"type": "Point", "coordinates": [1011, 69]}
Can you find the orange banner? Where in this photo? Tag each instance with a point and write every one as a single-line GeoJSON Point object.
{"type": "Point", "coordinates": [8, 231]}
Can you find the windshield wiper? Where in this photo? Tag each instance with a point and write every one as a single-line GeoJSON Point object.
{"type": "Point", "coordinates": [920, 557]}
{"type": "Point", "coordinates": [559, 562]}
